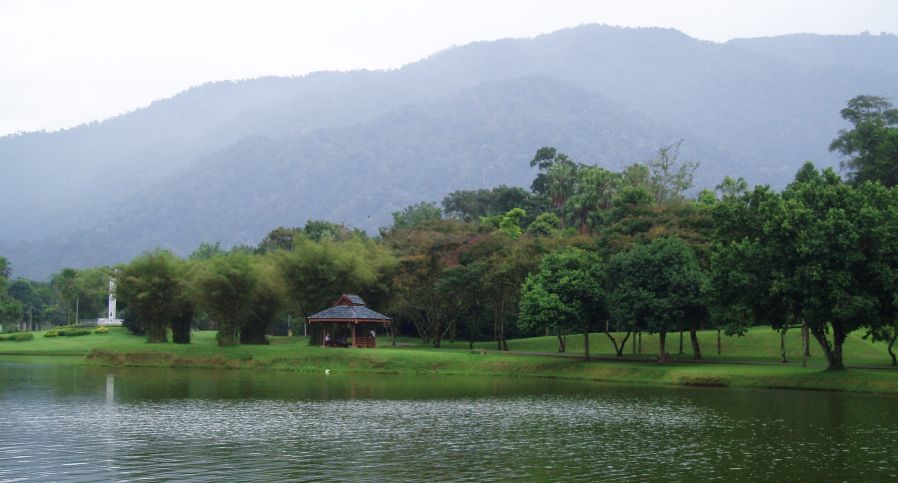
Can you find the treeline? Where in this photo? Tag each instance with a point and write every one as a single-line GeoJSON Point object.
{"type": "Point", "coordinates": [583, 250]}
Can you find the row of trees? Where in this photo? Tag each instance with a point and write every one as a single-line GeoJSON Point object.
{"type": "Point", "coordinates": [584, 250]}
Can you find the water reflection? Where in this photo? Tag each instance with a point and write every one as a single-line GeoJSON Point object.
{"type": "Point", "coordinates": [232, 425]}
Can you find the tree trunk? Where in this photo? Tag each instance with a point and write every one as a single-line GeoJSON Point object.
{"type": "Point", "coordinates": [254, 334]}
{"type": "Point", "coordinates": [180, 329]}
{"type": "Point", "coordinates": [227, 334]}
{"type": "Point", "coordinates": [586, 345]}
{"type": "Point", "coordinates": [838, 340]}
{"type": "Point", "coordinates": [783, 344]}
{"type": "Point", "coordinates": [681, 342]}
{"type": "Point", "coordinates": [805, 332]}
{"type": "Point", "coordinates": [156, 333]}
{"type": "Point", "coordinates": [634, 344]}
{"type": "Point", "coordinates": [437, 335]}
{"type": "Point", "coordinates": [562, 345]}
{"type": "Point", "coordinates": [804, 345]}
{"type": "Point", "coordinates": [662, 346]}
{"type": "Point", "coordinates": [718, 341]}
{"type": "Point", "coordinates": [892, 344]}
{"type": "Point", "coordinates": [640, 342]}
{"type": "Point", "coordinates": [696, 350]}
{"type": "Point", "coordinates": [834, 361]}
{"type": "Point", "coordinates": [619, 350]}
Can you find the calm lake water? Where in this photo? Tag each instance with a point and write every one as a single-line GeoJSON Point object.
{"type": "Point", "coordinates": [65, 423]}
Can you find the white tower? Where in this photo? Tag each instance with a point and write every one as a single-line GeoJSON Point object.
{"type": "Point", "coordinates": [110, 313]}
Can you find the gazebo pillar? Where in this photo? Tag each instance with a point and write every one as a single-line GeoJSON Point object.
{"type": "Point", "coordinates": [352, 331]}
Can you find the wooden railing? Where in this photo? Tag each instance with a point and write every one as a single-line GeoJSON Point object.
{"type": "Point", "coordinates": [365, 342]}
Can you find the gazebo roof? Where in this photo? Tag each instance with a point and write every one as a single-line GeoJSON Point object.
{"type": "Point", "coordinates": [349, 313]}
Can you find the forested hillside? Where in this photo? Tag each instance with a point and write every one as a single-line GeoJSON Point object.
{"type": "Point", "coordinates": [227, 161]}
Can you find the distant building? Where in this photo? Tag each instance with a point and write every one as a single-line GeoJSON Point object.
{"type": "Point", "coordinates": [110, 313]}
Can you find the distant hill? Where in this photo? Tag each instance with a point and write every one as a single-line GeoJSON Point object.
{"type": "Point", "coordinates": [860, 52]}
{"type": "Point", "coordinates": [228, 161]}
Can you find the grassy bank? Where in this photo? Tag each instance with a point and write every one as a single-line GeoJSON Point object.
{"type": "Point", "coordinates": [294, 354]}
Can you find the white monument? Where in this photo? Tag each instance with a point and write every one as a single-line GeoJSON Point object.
{"type": "Point", "coordinates": [110, 314]}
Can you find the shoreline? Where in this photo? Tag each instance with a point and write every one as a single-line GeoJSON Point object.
{"type": "Point", "coordinates": [452, 362]}
{"type": "Point", "coordinates": [745, 366]}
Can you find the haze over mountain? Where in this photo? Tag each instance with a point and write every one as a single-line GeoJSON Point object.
{"type": "Point", "coordinates": [229, 161]}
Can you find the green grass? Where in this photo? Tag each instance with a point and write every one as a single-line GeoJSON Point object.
{"type": "Point", "coordinates": [411, 357]}
{"type": "Point", "coordinates": [759, 345]}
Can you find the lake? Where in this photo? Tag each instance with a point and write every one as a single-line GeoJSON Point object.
{"type": "Point", "coordinates": [82, 423]}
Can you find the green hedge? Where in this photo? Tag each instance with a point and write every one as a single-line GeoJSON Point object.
{"type": "Point", "coordinates": [72, 332]}
{"type": "Point", "coordinates": [20, 337]}
{"type": "Point", "coordinates": [51, 333]}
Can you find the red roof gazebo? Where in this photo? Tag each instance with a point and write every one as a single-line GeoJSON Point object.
{"type": "Point", "coordinates": [350, 312]}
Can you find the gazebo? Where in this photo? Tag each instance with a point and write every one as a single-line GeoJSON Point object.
{"type": "Point", "coordinates": [349, 315]}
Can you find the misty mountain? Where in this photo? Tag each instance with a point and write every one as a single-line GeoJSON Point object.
{"type": "Point", "coordinates": [863, 52]}
{"type": "Point", "coordinates": [228, 161]}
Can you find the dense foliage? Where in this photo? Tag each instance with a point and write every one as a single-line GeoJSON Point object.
{"type": "Point", "coordinates": [584, 250]}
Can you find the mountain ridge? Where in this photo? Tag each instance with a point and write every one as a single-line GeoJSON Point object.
{"type": "Point", "coordinates": [740, 111]}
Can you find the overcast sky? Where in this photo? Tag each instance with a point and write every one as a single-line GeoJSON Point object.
{"type": "Point", "coordinates": [66, 62]}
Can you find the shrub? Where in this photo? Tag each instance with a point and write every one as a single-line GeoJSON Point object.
{"type": "Point", "coordinates": [102, 330]}
{"type": "Point", "coordinates": [19, 337]}
{"type": "Point", "coordinates": [73, 332]}
{"type": "Point", "coordinates": [51, 333]}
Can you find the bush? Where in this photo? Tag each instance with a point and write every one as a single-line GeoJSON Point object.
{"type": "Point", "coordinates": [51, 333]}
{"type": "Point", "coordinates": [19, 337]}
{"type": "Point", "coordinates": [73, 332]}
{"type": "Point", "coordinates": [102, 330]}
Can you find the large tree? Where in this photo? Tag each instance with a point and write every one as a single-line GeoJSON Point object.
{"type": "Point", "coordinates": [656, 287]}
{"type": "Point", "coordinates": [566, 295]}
{"type": "Point", "coordinates": [224, 286]}
{"type": "Point", "coordinates": [823, 253]}
{"type": "Point", "coordinates": [154, 286]}
{"type": "Point", "coordinates": [871, 145]}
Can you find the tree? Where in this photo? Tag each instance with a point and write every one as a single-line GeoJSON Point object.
{"type": "Point", "coordinates": [154, 285]}
{"type": "Point", "coordinates": [65, 284]}
{"type": "Point", "coordinates": [472, 205]}
{"type": "Point", "coordinates": [278, 239]}
{"type": "Point", "coordinates": [266, 300]}
{"type": "Point", "coordinates": [740, 281]}
{"type": "Point", "coordinates": [510, 224]}
{"type": "Point", "coordinates": [829, 252]}
{"type": "Point", "coordinates": [668, 178]}
{"type": "Point", "coordinates": [23, 292]}
{"type": "Point", "coordinates": [556, 178]}
{"type": "Point", "coordinates": [225, 286]}
{"type": "Point", "coordinates": [416, 215]}
{"type": "Point", "coordinates": [871, 146]}
{"type": "Point", "coordinates": [655, 287]}
{"type": "Point", "coordinates": [316, 273]}
{"type": "Point", "coordinates": [732, 187]}
{"type": "Point", "coordinates": [591, 201]}
{"type": "Point", "coordinates": [319, 230]}
{"type": "Point", "coordinates": [566, 295]}
{"type": "Point", "coordinates": [206, 251]}
{"type": "Point", "coordinates": [545, 224]}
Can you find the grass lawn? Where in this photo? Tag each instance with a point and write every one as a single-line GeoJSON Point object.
{"type": "Point", "coordinates": [294, 354]}
{"type": "Point", "coordinates": [760, 344]}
